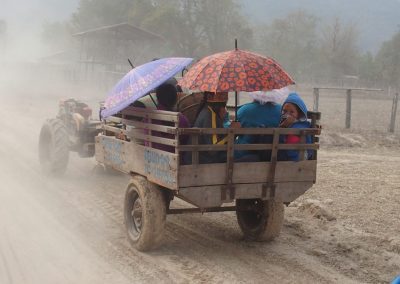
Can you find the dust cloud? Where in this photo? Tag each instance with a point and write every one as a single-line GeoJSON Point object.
{"type": "Point", "coordinates": [42, 236]}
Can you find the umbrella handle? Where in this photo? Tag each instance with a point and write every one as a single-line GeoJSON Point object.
{"type": "Point", "coordinates": [183, 71]}
{"type": "Point", "coordinates": [236, 97]}
{"type": "Point", "coordinates": [130, 63]}
{"type": "Point", "coordinates": [154, 102]}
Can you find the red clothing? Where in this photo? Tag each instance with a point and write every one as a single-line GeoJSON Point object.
{"type": "Point", "coordinates": [292, 139]}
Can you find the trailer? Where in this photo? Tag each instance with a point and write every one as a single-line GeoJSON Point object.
{"type": "Point", "coordinates": [127, 142]}
{"type": "Point", "coordinates": [256, 191]}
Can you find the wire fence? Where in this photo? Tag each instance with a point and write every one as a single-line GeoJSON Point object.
{"type": "Point", "coordinates": [363, 109]}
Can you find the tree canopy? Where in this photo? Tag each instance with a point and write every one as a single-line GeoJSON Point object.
{"type": "Point", "coordinates": [388, 61]}
{"type": "Point", "coordinates": [292, 41]}
{"type": "Point", "coordinates": [309, 48]}
{"type": "Point", "coordinates": [191, 27]}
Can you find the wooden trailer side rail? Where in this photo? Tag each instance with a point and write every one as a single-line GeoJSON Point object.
{"type": "Point", "coordinates": [129, 144]}
{"type": "Point", "coordinates": [224, 182]}
{"type": "Point", "coordinates": [144, 126]}
{"type": "Point", "coordinates": [198, 183]}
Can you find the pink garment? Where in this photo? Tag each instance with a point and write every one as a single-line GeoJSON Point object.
{"type": "Point", "coordinates": [292, 139]}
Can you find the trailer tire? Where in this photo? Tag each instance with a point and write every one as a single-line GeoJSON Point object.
{"type": "Point", "coordinates": [145, 214]}
{"type": "Point", "coordinates": [54, 147]}
{"type": "Point", "coordinates": [260, 220]}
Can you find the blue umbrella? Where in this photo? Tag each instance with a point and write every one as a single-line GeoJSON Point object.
{"type": "Point", "coordinates": [140, 81]}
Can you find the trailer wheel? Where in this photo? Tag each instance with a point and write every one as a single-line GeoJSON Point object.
{"type": "Point", "coordinates": [54, 147]}
{"type": "Point", "coordinates": [260, 220]}
{"type": "Point", "coordinates": [145, 214]}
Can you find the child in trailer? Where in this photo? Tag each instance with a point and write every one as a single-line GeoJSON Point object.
{"type": "Point", "coordinates": [294, 115]}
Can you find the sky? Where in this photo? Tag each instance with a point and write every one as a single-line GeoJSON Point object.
{"type": "Point", "coordinates": [26, 11]}
{"type": "Point", "coordinates": [375, 21]}
{"type": "Point", "coordinates": [25, 19]}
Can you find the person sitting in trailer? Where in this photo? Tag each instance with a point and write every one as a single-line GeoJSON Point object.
{"type": "Point", "coordinates": [167, 97]}
{"type": "Point", "coordinates": [211, 114]}
{"type": "Point", "coordinates": [130, 128]}
{"type": "Point", "coordinates": [265, 112]}
{"type": "Point", "coordinates": [294, 115]}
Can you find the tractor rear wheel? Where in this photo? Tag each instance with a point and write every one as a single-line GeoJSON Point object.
{"type": "Point", "coordinates": [54, 147]}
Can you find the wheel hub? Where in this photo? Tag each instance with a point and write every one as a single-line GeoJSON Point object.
{"type": "Point", "coordinates": [137, 215]}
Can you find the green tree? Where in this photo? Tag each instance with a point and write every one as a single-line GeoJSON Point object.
{"type": "Point", "coordinates": [338, 49]}
{"type": "Point", "coordinates": [191, 27]}
{"type": "Point", "coordinates": [292, 41]}
{"type": "Point", "coordinates": [368, 69]}
{"type": "Point", "coordinates": [388, 61]}
{"type": "Point", "coordinates": [95, 13]}
{"type": "Point", "coordinates": [141, 10]}
{"type": "Point", "coordinates": [196, 28]}
{"type": "Point", "coordinates": [175, 25]}
{"type": "Point", "coordinates": [222, 22]}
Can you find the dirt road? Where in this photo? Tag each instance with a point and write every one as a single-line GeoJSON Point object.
{"type": "Point", "coordinates": [70, 229]}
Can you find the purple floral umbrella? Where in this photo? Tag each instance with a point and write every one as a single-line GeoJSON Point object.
{"type": "Point", "coordinates": [140, 81]}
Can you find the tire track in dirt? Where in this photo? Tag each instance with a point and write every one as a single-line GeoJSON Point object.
{"type": "Point", "coordinates": [184, 268]}
{"type": "Point", "coordinates": [195, 266]}
{"type": "Point", "coordinates": [5, 269]}
{"type": "Point", "coordinates": [363, 256]}
{"type": "Point", "coordinates": [262, 261]}
{"type": "Point", "coordinates": [49, 193]}
{"type": "Point", "coordinates": [70, 200]}
{"type": "Point", "coordinates": [16, 262]}
{"type": "Point", "coordinates": [99, 229]}
{"type": "Point", "coordinates": [361, 186]}
{"type": "Point", "coordinates": [190, 268]}
{"type": "Point", "coordinates": [199, 266]}
{"type": "Point", "coordinates": [194, 238]}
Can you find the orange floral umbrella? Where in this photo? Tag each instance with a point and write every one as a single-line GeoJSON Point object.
{"type": "Point", "coordinates": [236, 70]}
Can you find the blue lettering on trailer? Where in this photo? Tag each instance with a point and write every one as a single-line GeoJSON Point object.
{"type": "Point", "coordinates": [158, 165]}
{"type": "Point", "coordinates": [112, 152]}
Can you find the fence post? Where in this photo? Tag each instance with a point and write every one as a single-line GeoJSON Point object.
{"type": "Point", "coordinates": [393, 114]}
{"type": "Point", "coordinates": [348, 108]}
{"type": "Point", "coordinates": [316, 99]}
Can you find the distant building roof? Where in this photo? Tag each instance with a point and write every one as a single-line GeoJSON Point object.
{"type": "Point", "coordinates": [122, 31]}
